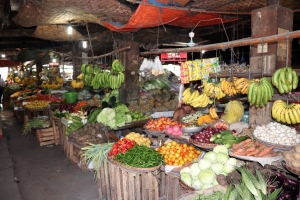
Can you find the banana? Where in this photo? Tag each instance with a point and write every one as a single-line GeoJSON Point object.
{"type": "Point", "coordinates": [186, 91]}
{"type": "Point", "coordinates": [258, 95]}
{"type": "Point", "coordinates": [213, 113]}
{"type": "Point", "coordinates": [291, 116]}
{"type": "Point", "coordinates": [282, 115]}
{"type": "Point", "coordinates": [296, 114]}
{"type": "Point", "coordinates": [250, 91]}
{"type": "Point", "coordinates": [275, 77]}
{"type": "Point", "coordinates": [295, 79]}
{"type": "Point", "coordinates": [289, 77]}
{"type": "Point", "coordinates": [286, 116]}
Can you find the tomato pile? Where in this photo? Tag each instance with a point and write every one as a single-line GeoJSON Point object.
{"type": "Point", "coordinates": [161, 123]}
{"type": "Point", "coordinates": [178, 154]}
{"type": "Point", "coordinates": [121, 147]}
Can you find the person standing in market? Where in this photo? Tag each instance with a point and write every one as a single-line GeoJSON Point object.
{"type": "Point", "coordinates": [183, 111]}
{"type": "Point", "coordinates": [2, 85]}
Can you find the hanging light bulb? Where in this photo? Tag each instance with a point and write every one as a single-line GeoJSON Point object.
{"type": "Point", "coordinates": [70, 29]}
{"type": "Point", "coordinates": [203, 51]}
{"type": "Point", "coordinates": [54, 60]}
{"type": "Point", "coordinates": [191, 43]}
{"type": "Point", "coordinates": [3, 55]}
{"type": "Point", "coordinates": [84, 44]}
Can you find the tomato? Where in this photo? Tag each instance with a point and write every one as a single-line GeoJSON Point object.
{"type": "Point", "coordinates": [124, 150]}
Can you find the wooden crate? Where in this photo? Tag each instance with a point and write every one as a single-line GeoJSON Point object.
{"type": "Point", "coordinates": [170, 187]}
{"type": "Point", "coordinates": [48, 136]}
{"type": "Point", "coordinates": [117, 183]}
{"type": "Point", "coordinates": [75, 154]}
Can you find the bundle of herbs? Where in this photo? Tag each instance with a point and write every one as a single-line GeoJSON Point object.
{"type": "Point", "coordinates": [34, 123]}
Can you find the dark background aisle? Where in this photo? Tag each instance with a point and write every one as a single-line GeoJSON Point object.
{"type": "Point", "coordinates": [44, 172]}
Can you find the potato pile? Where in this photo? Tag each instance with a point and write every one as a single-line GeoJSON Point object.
{"type": "Point", "coordinates": [292, 157]}
{"type": "Point", "coordinates": [138, 138]}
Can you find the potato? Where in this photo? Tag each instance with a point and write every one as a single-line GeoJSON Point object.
{"type": "Point", "coordinates": [296, 164]}
{"type": "Point", "coordinates": [296, 156]}
{"type": "Point", "coordinates": [288, 156]}
{"type": "Point", "coordinates": [297, 148]}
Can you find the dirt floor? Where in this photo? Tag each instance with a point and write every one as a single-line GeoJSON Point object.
{"type": "Point", "coordinates": [44, 173]}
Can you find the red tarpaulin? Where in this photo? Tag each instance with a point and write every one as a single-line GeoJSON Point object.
{"type": "Point", "coordinates": [149, 16]}
{"type": "Point", "coordinates": [8, 63]}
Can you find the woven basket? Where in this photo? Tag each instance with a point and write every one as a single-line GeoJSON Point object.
{"type": "Point", "coordinates": [290, 168]}
{"type": "Point", "coordinates": [133, 168]}
{"type": "Point", "coordinates": [203, 145]}
{"type": "Point", "coordinates": [154, 133]}
{"type": "Point", "coordinates": [279, 147]}
{"type": "Point", "coordinates": [186, 187]}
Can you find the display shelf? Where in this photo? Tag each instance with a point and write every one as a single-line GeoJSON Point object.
{"type": "Point", "coordinates": [240, 75]}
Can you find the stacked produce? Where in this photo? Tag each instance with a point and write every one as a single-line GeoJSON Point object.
{"type": "Point", "coordinates": [160, 124]}
{"type": "Point", "coordinates": [91, 133]}
{"type": "Point", "coordinates": [213, 90]}
{"type": "Point", "coordinates": [205, 134]}
{"type": "Point", "coordinates": [37, 104]}
{"type": "Point", "coordinates": [35, 123]}
{"type": "Point", "coordinates": [19, 93]}
{"type": "Point", "coordinates": [174, 130]}
{"type": "Point", "coordinates": [194, 98]}
{"type": "Point", "coordinates": [121, 147]}
{"type": "Point", "coordinates": [249, 147]}
{"type": "Point", "coordinates": [277, 133]}
{"type": "Point", "coordinates": [52, 84]}
{"type": "Point", "coordinates": [92, 116]}
{"type": "Point", "coordinates": [285, 80]}
{"type": "Point", "coordinates": [227, 138]}
{"type": "Point", "coordinates": [203, 174]}
{"type": "Point", "coordinates": [68, 107]}
{"type": "Point", "coordinates": [138, 115]}
{"type": "Point", "coordinates": [285, 113]}
{"type": "Point", "coordinates": [138, 138]}
{"type": "Point", "coordinates": [178, 154]}
{"type": "Point", "coordinates": [260, 92]}
{"type": "Point", "coordinates": [292, 157]}
{"type": "Point", "coordinates": [42, 97]}
{"type": "Point", "coordinates": [138, 156]}
{"type": "Point", "coordinates": [95, 77]}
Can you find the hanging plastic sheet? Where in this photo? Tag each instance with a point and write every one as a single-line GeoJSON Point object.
{"type": "Point", "coordinates": [149, 16]}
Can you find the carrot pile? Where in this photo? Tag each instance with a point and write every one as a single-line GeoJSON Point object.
{"type": "Point", "coordinates": [252, 148]}
{"type": "Point", "coordinates": [79, 105]}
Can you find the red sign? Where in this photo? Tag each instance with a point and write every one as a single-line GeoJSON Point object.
{"type": "Point", "coordinates": [171, 57]}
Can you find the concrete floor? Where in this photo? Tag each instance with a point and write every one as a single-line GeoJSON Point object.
{"type": "Point", "coordinates": [44, 173]}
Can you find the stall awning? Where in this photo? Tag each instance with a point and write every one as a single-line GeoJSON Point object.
{"type": "Point", "coordinates": [8, 63]}
{"type": "Point", "coordinates": [149, 16]}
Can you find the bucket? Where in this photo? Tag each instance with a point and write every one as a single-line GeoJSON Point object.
{"type": "Point", "coordinates": [71, 97]}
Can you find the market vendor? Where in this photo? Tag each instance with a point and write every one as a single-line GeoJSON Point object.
{"type": "Point", "coordinates": [183, 111]}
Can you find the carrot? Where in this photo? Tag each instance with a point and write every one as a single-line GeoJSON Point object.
{"type": "Point", "coordinates": [251, 148]}
{"type": "Point", "coordinates": [265, 151]}
{"type": "Point", "coordinates": [243, 143]}
{"type": "Point", "coordinates": [235, 146]}
{"type": "Point", "coordinates": [237, 151]}
{"type": "Point", "coordinates": [243, 153]}
{"type": "Point", "coordinates": [252, 153]}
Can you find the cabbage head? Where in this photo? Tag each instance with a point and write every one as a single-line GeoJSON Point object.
{"type": "Point", "coordinates": [204, 164]}
{"type": "Point", "coordinates": [229, 165]}
{"type": "Point", "coordinates": [194, 169]}
{"type": "Point", "coordinates": [211, 156]}
{"type": "Point", "coordinates": [207, 176]}
{"type": "Point", "coordinates": [221, 148]}
{"type": "Point", "coordinates": [222, 157]}
{"type": "Point", "coordinates": [206, 186]}
{"type": "Point", "coordinates": [186, 169]}
{"type": "Point", "coordinates": [217, 168]}
{"type": "Point", "coordinates": [196, 184]}
{"type": "Point", "coordinates": [186, 178]}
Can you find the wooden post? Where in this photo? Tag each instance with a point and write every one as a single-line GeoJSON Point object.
{"type": "Point", "coordinates": [267, 57]}
{"type": "Point", "coordinates": [130, 89]}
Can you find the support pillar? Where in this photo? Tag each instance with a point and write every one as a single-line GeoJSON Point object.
{"type": "Point", "coordinates": [129, 91]}
{"type": "Point", "coordinates": [266, 58]}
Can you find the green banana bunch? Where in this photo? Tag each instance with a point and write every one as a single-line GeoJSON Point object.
{"type": "Point", "coordinates": [285, 79]}
{"type": "Point", "coordinates": [260, 93]}
{"type": "Point", "coordinates": [117, 66]}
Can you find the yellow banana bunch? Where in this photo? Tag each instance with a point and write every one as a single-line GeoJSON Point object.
{"type": "Point", "coordinates": [59, 79]}
{"type": "Point", "coordinates": [285, 113]}
{"type": "Point", "coordinates": [213, 90]}
{"type": "Point", "coordinates": [227, 86]}
{"type": "Point", "coordinates": [201, 101]}
{"type": "Point", "coordinates": [51, 85]}
{"type": "Point", "coordinates": [77, 84]}
{"type": "Point", "coordinates": [81, 75]}
{"type": "Point", "coordinates": [242, 85]}
{"type": "Point", "coordinates": [213, 113]}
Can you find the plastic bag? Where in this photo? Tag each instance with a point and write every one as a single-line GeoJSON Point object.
{"type": "Point", "coordinates": [144, 65]}
{"type": "Point", "coordinates": [234, 111]}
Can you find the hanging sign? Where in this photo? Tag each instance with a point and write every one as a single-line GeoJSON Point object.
{"type": "Point", "coordinates": [171, 57]}
{"type": "Point", "coordinates": [54, 64]}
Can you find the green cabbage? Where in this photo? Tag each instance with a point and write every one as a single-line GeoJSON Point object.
{"type": "Point", "coordinates": [229, 165]}
{"type": "Point", "coordinates": [186, 170]}
{"type": "Point", "coordinates": [222, 157]}
{"type": "Point", "coordinates": [196, 184]}
{"type": "Point", "coordinates": [194, 169]}
{"type": "Point", "coordinates": [204, 164]}
{"type": "Point", "coordinates": [107, 117]}
{"type": "Point", "coordinates": [211, 156]}
{"type": "Point", "coordinates": [186, 178]}
{"type": "Point", "coordinates": [207, 176]}
{"type": "Point", "coordinates": [220, 148]}
{"type": "Point", "coordinates": [217, 168]}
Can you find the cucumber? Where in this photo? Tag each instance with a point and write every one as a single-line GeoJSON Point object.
{"type": "Point", "coordinates": [218, 141]}
{"type": "Point", "coordinates": [228, 137]}
{"type": "Point", "coordinates": [226, 132]}
{"type": "Point", "coordinates": [219, 135]}
{"type": "Point", "coordinates": [229, 143]}
{"type": "Point", "coordinates": [76, 118]}
{"type": "Point", "coordinates": [213, 138]}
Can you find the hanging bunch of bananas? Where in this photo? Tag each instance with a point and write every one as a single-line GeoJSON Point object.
{"type": "Point", "coordinates": [17, 80]}
{"type": "Point", "coordinates": [51, 85]}
{"type": "Point", "coordinates": [228, 87]}
{"type": "Point", "coordinates": [213, 90]}
{"type": "Point", "coordinates": [78, 84]}
{"type": "Point", "coordinates": [194, 98]}
{"type": "Point", "coordinates": [242, 85]}
{"type": "Point", "coordinates": [213, 112]}
{"type": "Point", "coordinates": [59, 79]}
{"type": "Point", "coordinates": [260, 92]}
{"type": "Point", "coordinates": [80, 76]}
{"type": "Point", "coordinates": [285, 80]}
{"type": "Point", "coordinates": [285, 113]}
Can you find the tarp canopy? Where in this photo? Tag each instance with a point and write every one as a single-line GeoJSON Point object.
{"type": "Point", "coordinates": [149, 16]}
{"type": "Point", "coordinates": [8, 63]}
